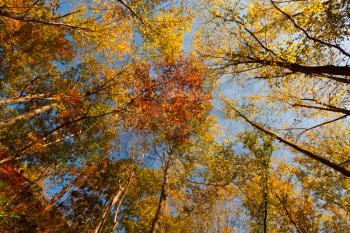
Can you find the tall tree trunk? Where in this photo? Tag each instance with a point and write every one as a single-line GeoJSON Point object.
{"type": "Point", "coordinates": [25, 99]}
{"type": "Point", "coordinates": [117, 208]}
{"type": "Point", "coordinates": [106, 211]}
{"type": "Point", "coordinates": [161, 203]}
{"type": "Point", "coordinates": [265, 198]}
{"type": "Point", "coordinates": [117, 198]}
{"type": "Point", "coordinates": [61, 194]}
{"type": "Point", "coordinates": [306, 152]}
{"type": "Point", "coordinates": [331, 70]}
{"type": "Point", "coordinates": [25, 116]}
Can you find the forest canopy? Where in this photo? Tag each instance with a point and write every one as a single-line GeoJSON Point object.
{"type": "Point", "coordinates": [174, 116]}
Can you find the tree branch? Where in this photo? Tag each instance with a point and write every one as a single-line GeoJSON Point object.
{"type": "Point", "coordinates": [307, 34]}
{"type": "Point", "coordinates": [308, 153]}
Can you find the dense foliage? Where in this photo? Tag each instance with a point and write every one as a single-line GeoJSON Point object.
{"type": "Point", "coordinates": [174, 116]}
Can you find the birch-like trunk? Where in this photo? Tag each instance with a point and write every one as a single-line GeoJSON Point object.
{"type": "Point", "coordinates": [117, 200]}
{"type": "Point", "coordinates": [25, 116]}
{"type": "Point", "coordinates": [108, 208]}
{"type": "Point", "coordinates": [117, 208]}
{"type": "Point", "coordinates": [25, 99]}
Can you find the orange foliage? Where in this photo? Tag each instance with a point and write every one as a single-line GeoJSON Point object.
{"type": "Point", "coordinates": [33, 43]}
{"type": "Point", "coordinates": [71, 105]}
{"type": "Point", "coordinates": [174, 98]}
{"type": "Point", "coordinates": [9, 174]}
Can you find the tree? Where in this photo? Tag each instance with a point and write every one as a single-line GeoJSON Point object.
{"type": "Point", "coordinates": [269, 195]}
{"type": "Point", "coordinates": [303, 63]}
{"type": "Point", "coordinates": [183, 104]}
{"type": "Point", "coordinates": [112, 116]}
{"type": "Point", "coordinates": [66, 75]}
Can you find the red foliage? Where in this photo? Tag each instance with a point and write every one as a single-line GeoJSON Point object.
{"type": "Point", "coordinates": [171, 100]}
{"type": "Point", "coordinates": [72, 105]}
{"type": "Point", "coordinates": [9, 174]}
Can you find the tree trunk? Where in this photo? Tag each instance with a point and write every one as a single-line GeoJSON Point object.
{"type": "Point", "coordinates": [308, 153]}
{"type": "Point", "coordinates": [317, 70]}
{"type": "Point", "coordinates": [25, 116]}
{"type": "Point", "coordinates": [162, 202]}
{"type": "Point", "coordinates": [60, 195]}
{"type": "Point", "coordinates": [28, 18]}
{"type": "Point", "coordinates": [108, 208]}
{"type": "Point", "coordinates": [327, 69]}
{"type": "Point", "coordinates": [265, 212]}
{"type": "Point", "coordinates": [265, 197]}
{"type": "Point", "coordinates": [115, 221]}
{"type": "Point", "coordinates": [28, 146]}
{"type": "Point", "coordinates": [25, 99]}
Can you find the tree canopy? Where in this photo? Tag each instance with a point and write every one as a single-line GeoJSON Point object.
{"type": "Point", "coordinates": [174, 116]}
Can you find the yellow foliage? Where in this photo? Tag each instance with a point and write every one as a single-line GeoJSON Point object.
{"type": "Point", "coordinates": [166, 32]}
